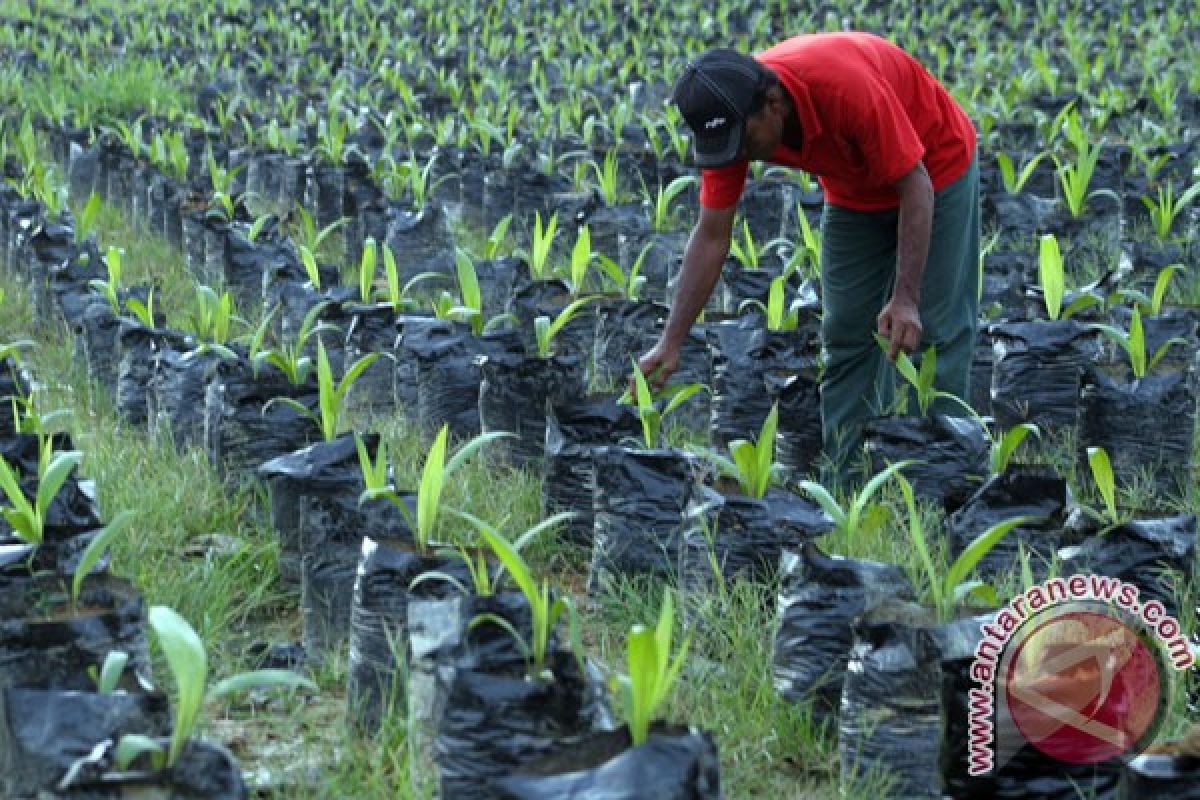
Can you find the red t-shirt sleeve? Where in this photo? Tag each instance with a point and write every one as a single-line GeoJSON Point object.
{"type": "Point", "coordinates": [883, 131]}
{"type": "Point", "coordinates": [722, 187]}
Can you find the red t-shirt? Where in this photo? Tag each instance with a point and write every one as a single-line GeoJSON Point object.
{"type": "Point", "coordinates": [868, 113]}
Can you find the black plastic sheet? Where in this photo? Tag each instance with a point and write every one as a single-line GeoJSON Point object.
{"type": "Point", "coordinates": [137, 348]}
{"type": "Point", "coordinates": [56, 651]}
{"type": "Point", "coordinates": [176, 393]}
{"type": "Point", "coordinates": [314, 496]}
{"type": "Point", "coordinates": [1144, 553]}
{"type": "Point", "coordinates": [44, 731]}
{"type": "Point", "coordinates": [379, 624]}
{"type": "Point", "coordinates": [204, 770]}
{"type": "Point", "coordinates": [820, 598]}
{"type": "Point", "coordinates": [513, 396]}
{"type": "Point", "coordinates": [738, 537]}
{"type": "Point", "coordinates": [573, 431]}
{"type": "Point", "coordinates": [638, 507]}
{"type": "Point", "coordinates": [1037, 369]}
{"type": "Point", "coordinates": [1147, 426]}
{"type": "Point", "coordinates": [891, 716]}
{"type": "Point", "coordinates": [416, 329]}
{"type": "Point", "coordinates": [372, 329]}
{"type": "Point", "coordinates": [448, 375]}
{"type": "Point", "coordinates": [951, 454]}
{"type": "Point", "coordinates": [744, 354]}
{"type": "Point", "coordinates": [240, 431]}
{"type": "Point", "coordinates": [671, 765]}
{"type": "Point", "coordinates": [1020, 491]}
{"type": "Point", "coordinates": [1161, 777]}
{"type": "Point", "coordinates": [495, 721]}
{"type": "Point", "coordinates": [798, 435]}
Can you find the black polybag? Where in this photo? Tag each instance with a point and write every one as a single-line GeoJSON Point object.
{"type": "Point", "coordinates": [673, 764]}
{"type": "Point", "coordinates": [1029, 774]}
{"type": "Point", "coordinates": [744, 354]}
{"type": "Point", "coordinates": [176, 393]}
{"type": "Point", "coordinates": [58, 651]}
{"type": "Point", "coordinates": [950, 454]}
{"type": "Point", "coordinates": [44, 731]}
{"type": "Point", "coordinates": [1161, 777]}
{"type": "Point", "coordinates": [494, 721]}
{"type": "Point", "coordinates": [204, 770]}
{"type": "Point", "coordinates": [138, 347]}
{"type": "Point", "coordinates": [292, 477]}
{"type": "Point", "coordinates": [820, 597]}
{"type": "Point", "coordinates": [404, 374]}
{"type": "Point", "coordinates": [548, 298]}
{"type": "Point", "coordinates": [890, 723]}
{"type": "Point", "coordinates": [379, 624]}
{"type": "Point", "coordinates": [638, 511]}
{"type": "Point", "coordinates": [1020, 491]}
{"type": "Point", "coordinates": [241, 431]}
{"type": "Point", "coordinates": [1144, 553]}
{"type": "Point", "coordinates": [573, 430]}
{"type": "Point", "coordinates": [798, 435]}
{"type": "Point", "coordinates": [1145, 426]}
{"type": "Point", "coordinates": [448, 375]}
{"type": "Point", "coordinates": [514, 393]}
{"type": "Point", "coordinates": [1037, 368]}
{"type": "Point", "coordinates": [372, 329]}
{"type": "Point", "coordinates": [734, 536]}
{"type": "Point", "coordinates": [623, 332]}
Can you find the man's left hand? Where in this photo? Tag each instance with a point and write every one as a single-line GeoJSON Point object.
{"type": "Point", "coordinates": [900, 321]}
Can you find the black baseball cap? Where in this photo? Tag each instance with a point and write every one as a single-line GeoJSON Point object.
{"type": "Point", "coordinates": [714, 94]}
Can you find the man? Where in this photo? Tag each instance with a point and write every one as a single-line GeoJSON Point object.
{"type": "Point", "coordinates": [895, 155]}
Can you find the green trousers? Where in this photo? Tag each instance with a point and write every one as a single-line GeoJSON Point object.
{"type": "Point", "coordinates": [858, 271]}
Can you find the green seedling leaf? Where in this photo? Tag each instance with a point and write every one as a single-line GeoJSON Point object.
{"type": "Point", "coordinates": [96, 550]}
{"type": "Point", "coordinates": [1002, 451]}
{"type": "Point", "coordinates": [259, 679]}
{"type": "Point", "coordinates": [826, 501]}
{"type": "Point", "coordinates": [366, 269]}
{"type": "Point", "coordinates": [53, 477]}
{"type": "Point", "coordinates": [1050, 274]}
{"type": "Point", "coordinates": [1161, 284]}
{"type": "Point", "coordinates": [110, 671]}
{"type": "Point", "coordinates": [188, 663]}
{"type": "Point", "coordinates": [311, 268]}
{"type": "Point", "coordinates": [133, 746]}
{"type": "Point", "coordinates": [581, 258]}
{"type": "Point", "coordinates": [1102, 475]}
{"type": "Point", "coordinates": [976, 550]}
{"type": "Point", "coordinates": [429, 494]}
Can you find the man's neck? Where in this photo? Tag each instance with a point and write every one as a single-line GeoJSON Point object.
{"type": "Point", "coordinates": [793, 134]}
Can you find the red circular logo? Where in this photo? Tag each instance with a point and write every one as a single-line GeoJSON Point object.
{"type": "Point", "coordinates": [1083, 686]}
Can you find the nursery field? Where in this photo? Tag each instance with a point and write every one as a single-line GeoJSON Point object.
{"type": "Point", "coordinates": [321, 475]}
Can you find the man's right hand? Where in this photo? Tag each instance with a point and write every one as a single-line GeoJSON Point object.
{"type": "Point", "coordinates": [657, 364]}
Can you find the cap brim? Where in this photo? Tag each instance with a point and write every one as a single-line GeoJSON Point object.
{"type": "Point", "coordinates": [712, 152]}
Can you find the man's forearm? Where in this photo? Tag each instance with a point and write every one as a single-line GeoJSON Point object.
{"type": "Point", "coordinates": [701, 267]}
{"type": "Point", "coordinates": [915, 227]}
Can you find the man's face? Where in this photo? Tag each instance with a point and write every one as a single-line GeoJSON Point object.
{"type": "Point", "coordinates": [763, 131]}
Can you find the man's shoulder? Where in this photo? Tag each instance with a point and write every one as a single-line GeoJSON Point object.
{"type": "Point", "coordinates": [818, 48]}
